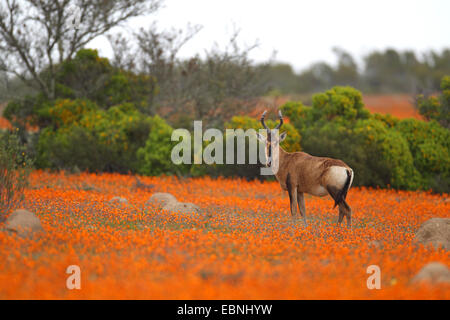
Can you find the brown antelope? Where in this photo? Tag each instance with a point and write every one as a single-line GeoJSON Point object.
{"type": "Point", "coordinates": [300, 172]}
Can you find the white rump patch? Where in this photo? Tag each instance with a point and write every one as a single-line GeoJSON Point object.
{"type": "Point", "coordinates": [337, 176]}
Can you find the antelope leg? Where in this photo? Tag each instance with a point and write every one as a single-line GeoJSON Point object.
{"type": "Point", "coordinates": [301, 206]}
{"type": "Point", "coordinates": [293, 201]}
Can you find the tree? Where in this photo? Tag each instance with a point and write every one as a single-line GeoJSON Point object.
{"type": "Point", "coordinates": [436, 107]}
{"type": "Point", "coordinates": [282, 78]}
{"type": "Point", "coordinates": [346, 73]}
{"type": "Point", "coordinates": [38, 35]}
{"type": "Point", "coordinates": [316, 78]}
{"type": "Point", "coordinates": [212, 88]}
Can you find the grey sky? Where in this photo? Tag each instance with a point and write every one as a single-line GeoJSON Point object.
{"type": "Point", "coordinates": [302, 32]}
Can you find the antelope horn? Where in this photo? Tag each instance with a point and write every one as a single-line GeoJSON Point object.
{"type": "Point", "coordinates": [281, 120]}
{"type": "Point", "coordinates": [262, 121]}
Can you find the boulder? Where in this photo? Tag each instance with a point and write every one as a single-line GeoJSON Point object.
{"type": "Point", "coordinates": [182, 207]}
{"type": "Point", "coordinates": [160, 199]}
{"type": "Point", "coordinates": [24, 223]}
{"type": "Point", "coordinates": [118, 200]}
{"type": "Point", "coordinates": [434, 272]}
{"type": "Point", "coordinates": [435, 231]}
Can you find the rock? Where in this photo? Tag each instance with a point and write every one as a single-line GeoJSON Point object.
{"type": "Point", "coordinates": [435, 231]}
{"type": "Point", "coordinates": [160, 199]}
{"type": "Point", "coordinates": [182, 207]}
{"type": "Point", "coordinates": [375, 244]}
{"type": "Point", "coordinates": [24, 223]}
{"type": "Point", "coordinates": [140, 185]}
{"type": "Point", "coordinates": [118, 200]}
{"type": "Point", "coordinates": [434, 272]}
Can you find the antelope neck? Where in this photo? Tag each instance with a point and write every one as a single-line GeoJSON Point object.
{"type": "Point", "coordinates": [282, 155]}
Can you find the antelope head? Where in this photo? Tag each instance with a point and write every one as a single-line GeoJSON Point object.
{"type": "Point", "coordinates": [272, 140]}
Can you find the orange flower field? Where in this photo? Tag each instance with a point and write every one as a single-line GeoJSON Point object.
{"type": "Point", "coordinates": [244, 246]}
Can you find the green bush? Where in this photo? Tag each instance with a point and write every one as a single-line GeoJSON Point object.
{"type": "Point", "coordinates": [430, 146]}
{"type": "Point", "coordinates": [290, 144]}
{"type": "Point", "coordinates": [15, 168]}
{"type": "Point", "coordinates": [344, 102]}
{"type": "Point", "coordinates": [86, 77]}
{"type": "Point", "coordinates": [380, 156]}
{"type": "Point", "coordinates": [90, 76]}
{"type": "Point", "coordinates": [339, 104]}
{"type": "Point", "coordinates": [383, 150]}
{"type": "Point", "coordinates": [437, 108]}
{"type": "Point", "coordinates": [64, 112]}
{"type": "Point", "coordinates": [299, 115]}
{"type": "Point", "coordinates": [247, 170]}
{"type": "Point", "coordinates": [23, 113]}
{"type": "Point", "coordinates": [155, 156]}
{"type": "Point", "coordinates": [92, 139]}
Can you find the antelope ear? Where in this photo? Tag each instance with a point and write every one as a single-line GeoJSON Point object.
{"type": "Point", "coordinates": [260, 137]}
{"type": "Point", "coordinates": [283, 136]}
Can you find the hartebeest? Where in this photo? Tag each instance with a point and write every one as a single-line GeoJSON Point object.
{"type": "Point", "coordinates": [300, 172]}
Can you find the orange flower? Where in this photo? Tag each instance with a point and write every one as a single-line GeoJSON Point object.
{"type": "Point", "coordinates": [248, 249]}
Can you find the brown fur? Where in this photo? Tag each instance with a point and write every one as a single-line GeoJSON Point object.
{"type": "Point", "coordinates": [300, 172]}
{"type": "Point", "coordinates": [305, 170]}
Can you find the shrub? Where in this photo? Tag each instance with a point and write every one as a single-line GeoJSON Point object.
{"type": "Point", "coordinates": [247, 170]}
{"type": "Point", "coordinates": [92, 77]}
{"type": "Point", "coordinates": [299, 115]}
{"type": "Point", "coordinates": [430, 146]}
{"type": "Point", "coordinates": [344, 102]}
{"type": "Point", "coordinates": [376, 146]}
{"type": "Point", "coordinates": [14, 167]}
{"type": "Point", "coordinates": [437, 108]}
{"type": "Point", "coordinates": [155, 156]}
{"type": "Point", "coordinates": [64, 112]}
{"type": "Point", "coordinates": [94, 139]}
{"type": "Point", "coordinates": [380, 156]}
{"type": "Point", "coordinates": [23, 113]}
{"type": "Point", "coordinates": [290, 144]}
{"type": "Point", "coordinates": [86, 77]}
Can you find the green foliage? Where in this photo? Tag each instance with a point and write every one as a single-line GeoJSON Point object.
{"type": "Point", "coordinates": [14, 170]}
{"type": "Point", "coordinates": [383, 151]}
{"type": "Point", "coordinates": [378, 155]}
{"type": "Point", "coordinates": [155, 155]}
{"type": "Point", "coordinates": [389, 153]}
{"type": "Point", "coordinates": [251, 171]}
{"type": "Point", "coordinates": [290, 144]}
{"type": "Point", "coordinates": [299, 115]}
{"type": "Point", "coordinates": [91, 77]}
{"type": "Point", "coordinates": [87, 77]}
{"type": "Point", "coordinates": [344, 102]}
{"type": "Point", "coordinates": [247, 170]}
{"type": "Point", "coordinates": [92, 139]}
{"type": "Point", "coordinates": [64, 112]}
{"type": "Point", "coordinates": [437, 108]}
{"type": "Point", "coordinates": [23, 113]}
{"type": "Point", "coordinates": [430, 146]}
{"type": "Point", "coordinates": [387, 119]}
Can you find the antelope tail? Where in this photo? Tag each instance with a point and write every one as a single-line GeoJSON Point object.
{"type": "Point", "coordinates": [342, 194]}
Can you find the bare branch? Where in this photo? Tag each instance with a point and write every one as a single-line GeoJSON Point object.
{"type": "Point", "coordinates": [36, 33]}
